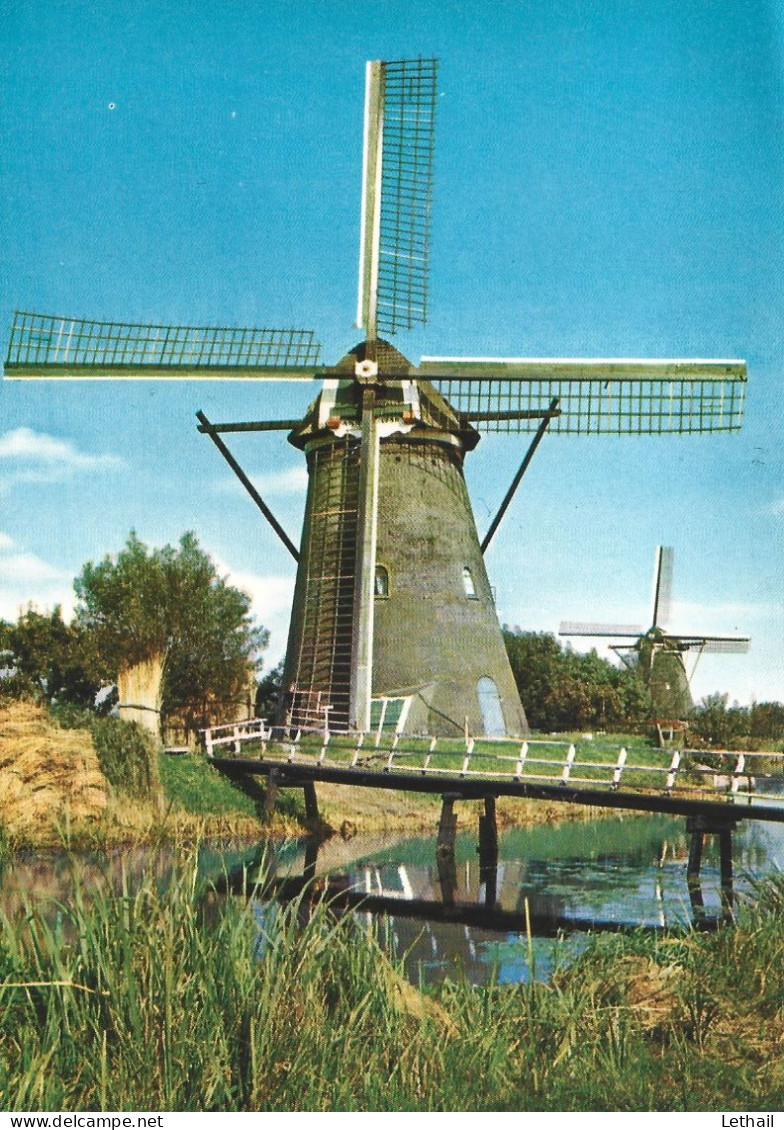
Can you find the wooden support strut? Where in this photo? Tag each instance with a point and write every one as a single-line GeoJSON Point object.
{"type": "Point", "coordinates": [488, 852]}
{"type": "Point", "coordinates": [551, 412]}
{"type": "Point", "coordinates": [208, 428]}
{"type": "Point", "coordinates": [699, 827]}
{"type": "Point", "coordinates": [445, 849]}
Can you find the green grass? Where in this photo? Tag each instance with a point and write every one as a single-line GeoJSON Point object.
{"type": "Point", "coordinates": [172, 1000]}
{"type": "Point", "coordinates": [193, 785]}
{"type": "Point", "coordinates": [190, 783]}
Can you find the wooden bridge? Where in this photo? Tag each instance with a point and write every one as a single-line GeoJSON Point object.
{"type": "Point", "coordinates": [714, 799]}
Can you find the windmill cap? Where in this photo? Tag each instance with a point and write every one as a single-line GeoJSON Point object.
{"type": "Point", "coordinates": [390, 361]}
{"type": "Point", "coordinates": [400, 396]}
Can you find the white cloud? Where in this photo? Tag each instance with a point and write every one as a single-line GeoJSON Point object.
{"type": "Point", "coordinates": [289, 481]}
{"type": "Point", "coordinates": [37, 457]}
{"type": "Point", "coordinates": [19, 567]}
{"type": "Point", "coordinates": [271, 596]}
{"type": "Point", "coordinates": [27, 579]}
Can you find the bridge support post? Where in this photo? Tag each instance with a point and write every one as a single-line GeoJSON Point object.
{"type": "Point", "coordinates": [270, 795]}
{"type": "Point", "coordinates": [311, 802]}
{"type": "Point", "coordinates": [311, 858]}
{"type": "Point", "coordinates": [725, 864]}
{"type": "Point", "coordinates": [699, 827]}
{"type": "Point", "coordinates": [693, 869]}
{"type": "Point", "coordinates": [445, 849]}
{"type": "Point", "coordinates": [488, 834]}
{"type": "Point", "coordinates": [488, 851]}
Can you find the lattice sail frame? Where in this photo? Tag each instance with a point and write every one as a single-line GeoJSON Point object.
{"type": "Point", "coordinates": [650, 398]}
{"type": "Point", "coordinates": [53, 342]}
{"type": "Point", "coordinates": [596, 397]}
{"type": "Point", "coordinates": [397, 189]}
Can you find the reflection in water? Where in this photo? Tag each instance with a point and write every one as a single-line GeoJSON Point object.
{"type": "Point", "coordinates": [550, 886]}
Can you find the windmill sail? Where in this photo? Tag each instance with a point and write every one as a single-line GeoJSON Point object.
{"type": "Point", "coordinates": [392, 598]}
{"type": "Point", "coordinates": [719, 645]}
{"type": "Point", "coordinates": [610, 396]}
{"type": "Point", "coordinates": [44, 345]}
{"type": "Point", "coordinates": [400, 104]}
{"type": "Point", "coordinates": [662, 599]}
{"type": "Point", "coordinates": [584, 628]}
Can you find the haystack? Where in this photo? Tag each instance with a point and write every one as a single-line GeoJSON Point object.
{"type": "Point", "coordinates": [139, 689]}
{"type": "Point", "coordinates": [47, 775]}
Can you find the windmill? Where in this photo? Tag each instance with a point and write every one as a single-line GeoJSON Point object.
{"type": "Point", "coordinates": [657, 653]}
{"type": "Point", "coordinates": [393, 620]}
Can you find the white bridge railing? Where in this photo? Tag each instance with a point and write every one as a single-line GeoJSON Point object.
{"type": "Point", "coordinates": [579, 763]}
{"type": "Point", "coordinates": [233, 734]}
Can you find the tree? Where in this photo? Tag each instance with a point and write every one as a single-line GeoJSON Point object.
{"type": "Point", "coordinates": [766, 720]}
{"type": "Point", "coordinates": [716, 723]}
{"type": "Point", "coordinates": [51, 661]}
{"type": "Point", "coordinates": [268, 693]}
{"type": "Point", "coordinates": [172, 604]}
{"type": "Point", "coordinates": [563, 690]}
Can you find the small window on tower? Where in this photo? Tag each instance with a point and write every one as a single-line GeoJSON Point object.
{"type": "Point", "coordinates": [468, 583]}
{"type": "Point", "coordinates": [381, 584]}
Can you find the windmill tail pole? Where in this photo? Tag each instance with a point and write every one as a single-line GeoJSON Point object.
{"type": "Point", "coordinates": [551, 411]}
{"type": "Point", "coordinates": [249, 487]}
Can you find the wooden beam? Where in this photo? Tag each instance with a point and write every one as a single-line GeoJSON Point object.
{"type": "Point", "coordinates": [30, 371]}
{"type": "Point", "coordinates": [551, 412]}
{"type": "Point", "coordinates": [249, 487]}
{"type": "Point", "coordinates": [361, 685]}
{"type": "Point", "coordinates": [254, 426]}
{"type": "Point", "coordinates": [580, 368]}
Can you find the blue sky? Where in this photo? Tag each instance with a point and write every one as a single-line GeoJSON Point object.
{"type": "Point", "coordinates": [609, 180]}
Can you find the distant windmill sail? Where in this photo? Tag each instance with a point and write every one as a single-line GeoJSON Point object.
{"type": "Point", "coordinates": [662, 600]}
{"type": "Point", "coordinates": [392, 599]}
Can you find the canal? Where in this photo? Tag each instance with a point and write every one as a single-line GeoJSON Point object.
{"type": "Point", "coordinates": [553, 885]}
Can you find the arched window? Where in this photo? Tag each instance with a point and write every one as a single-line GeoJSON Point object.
{"type": "Point", "coordinates": [468, 583]}
{"type": "Point", "coordinates": [381, 582]}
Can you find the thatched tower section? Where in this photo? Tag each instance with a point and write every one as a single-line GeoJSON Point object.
{"type": "Point", "coordinates": [660, 663]}
{"type": "Point", "coordinates": [139, 691]}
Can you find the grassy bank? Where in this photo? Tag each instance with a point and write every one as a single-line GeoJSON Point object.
{"type": "Point", "coordinates": [69, 777]}
{"type": "Point", "coordinates": [72, 778]}
{"type": "Point", "coordinates": [171, 1001]}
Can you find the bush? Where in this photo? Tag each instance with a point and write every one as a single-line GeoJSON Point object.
{"type": "Point", "coordinates": [128, 757]}
{"type": "Point", "coordinates": [564, 690]}
{"type": "Point", "coordinates": [127, 754]}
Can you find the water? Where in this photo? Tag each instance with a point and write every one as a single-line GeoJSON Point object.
{"type": "Point", "coordinates": [448, 917]}
{"type": "Point", "coordinates": [552, 884]}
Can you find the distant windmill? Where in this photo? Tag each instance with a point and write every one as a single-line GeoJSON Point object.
{"type": "Point", "coordinates": [657, 653]}
{"type": "Point", "coordinates": [393, 613]}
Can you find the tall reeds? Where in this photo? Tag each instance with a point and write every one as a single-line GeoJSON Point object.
{"type": "Point", "coordinates": [171, 998]}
